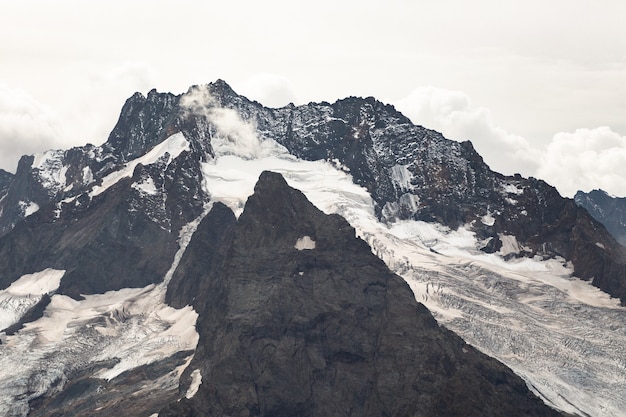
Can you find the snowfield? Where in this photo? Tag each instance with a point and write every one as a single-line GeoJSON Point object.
{"type": "Point", "coordinates": [132, 327]}
{"type": "Point", "coordinates": [24, 293]}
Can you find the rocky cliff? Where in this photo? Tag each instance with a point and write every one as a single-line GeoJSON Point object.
{"type": "Point", "coordinates": [608, 210]}
{"type": "Point", "coordinates": [5, 181]}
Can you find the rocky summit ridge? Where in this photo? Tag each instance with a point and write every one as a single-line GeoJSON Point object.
{"type": "Point", "coordinates": [411, 173]}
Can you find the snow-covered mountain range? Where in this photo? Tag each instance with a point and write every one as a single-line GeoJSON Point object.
{"type": "Point", "coordinates": [140, 278]}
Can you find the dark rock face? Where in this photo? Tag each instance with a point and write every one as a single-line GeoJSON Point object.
{"type": "Point", "coordinates": [203, 258]}
{"type": "Point", "coordinates": [610, 211]}
{"type": "Point", "coordinates": [142, 124]}
{"type": "Point", "coordinates": [301, 319]}
{"type": "Point", "coordinates": [5, 181]}
{"type": "Point", "coordinates": [120, 238]}
{"type": "Point", "coordinates": [105, 247]}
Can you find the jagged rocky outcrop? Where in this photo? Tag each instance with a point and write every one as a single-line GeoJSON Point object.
{"type": "Point", "coordinates": [608, 210]}
{"type": "Point", "coordinates": [142, 124]}
{"type": "Point", "coordinates": [5, 182]}
{"type": "Point", "coordinates": [301, 319]}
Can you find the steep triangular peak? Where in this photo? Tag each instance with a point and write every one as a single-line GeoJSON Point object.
{"type": "Point", "coordinates": [324, 328]}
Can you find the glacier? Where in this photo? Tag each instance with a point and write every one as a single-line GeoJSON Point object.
{"type": "Point", "coordinates": [531, 314]}
{"type": "Point", "coordinates": [25, 293]}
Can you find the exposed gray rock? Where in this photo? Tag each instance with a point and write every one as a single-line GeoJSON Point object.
{"type": "Point", "coordinates": [608, 210]}
{"type": "Point", "coordinates": [142, 124]}
{"type": "Point", "coordinates": [5, 182]}
{"type": "Point", "coordinates": [324, 329]}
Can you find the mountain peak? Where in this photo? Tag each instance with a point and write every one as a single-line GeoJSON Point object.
{"type": "Point", "coordinates": [220, 84]}
{"type": "Point", "coordinates": [302, 319]}
{"type": "Point", "coordinates": [141, 125]}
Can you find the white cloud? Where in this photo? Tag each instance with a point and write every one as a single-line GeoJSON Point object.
{"type": "Point", "coordinates": [26, 126]}
{"type": "Point", "coordinates": [233, 135]}
{"type": "Point", "coordinates": [198, 101]}
{"type": "Point", "coordinates": [84, 111]}
{"type": "Point", "coordinates": [453, 114]}
{"type": "Point", "coordinates": [586, 159]}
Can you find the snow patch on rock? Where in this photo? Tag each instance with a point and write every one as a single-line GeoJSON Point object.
{"type": "Point", "coordinates": [509, 244]}
{"type": "Point", "coordinates": [305, 243]}
{"type": "Point", "coordinates": [87, 176]}
{"type": "Point", "coordinates": [512, 189]}
{"type": "Point", "coordinates": [196, 380]}
{"type": "Point", "coordinates": [43, 282]}
{"type": "Point", "coordinates": [146, 186]}
{"type": "Point", "coordinates": [49, 169]}
{"type": "Point", "coordinates": [488, 220]}
{"type": "Point", "coordinates": [401, 176]}
{"type": "Point", "coordinates": [28, 208]}
{"type": "Point", "coordinates": [24, 293]}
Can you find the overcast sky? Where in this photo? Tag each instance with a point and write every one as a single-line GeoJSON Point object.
{"type": "Point", "coordinates": [539, 87]}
